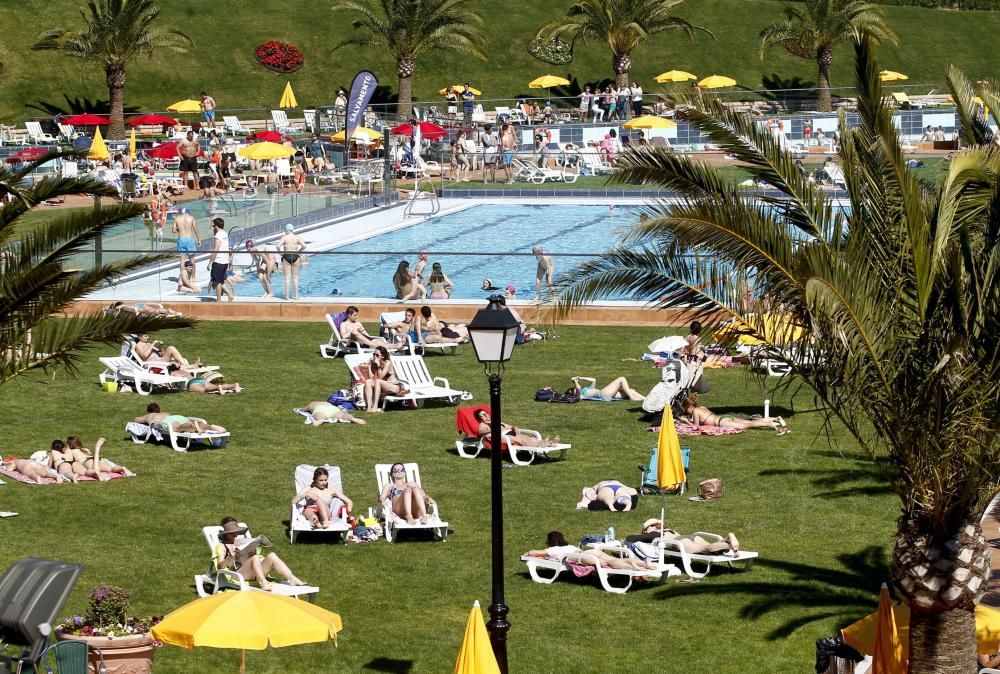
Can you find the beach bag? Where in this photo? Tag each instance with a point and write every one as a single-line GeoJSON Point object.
{"type": "Point", "coordinates": [710, 489]}
{"type": "Point", "coordinates": [570, 396]}
{"type": "Point", "coordinates": [545, 394]}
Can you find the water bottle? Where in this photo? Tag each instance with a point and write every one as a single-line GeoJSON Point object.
{"type": "Point", "coordinates": [611, 535]}
{"type": "Point", "coordinates": [767, 408]}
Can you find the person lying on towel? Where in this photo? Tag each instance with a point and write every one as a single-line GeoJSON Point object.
{"type": "Point", "coordinates": [609, 495]}
{"type": "Point", "coordinates": [699, 415]}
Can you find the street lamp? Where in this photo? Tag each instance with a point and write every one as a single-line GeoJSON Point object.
{"type": "Point", "coordinates": [493, 331]}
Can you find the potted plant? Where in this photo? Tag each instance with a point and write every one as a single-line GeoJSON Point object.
{"type": "Point", "coordinates": [124, 642]}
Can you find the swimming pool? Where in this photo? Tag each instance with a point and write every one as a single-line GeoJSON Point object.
{"type": "Point", "coordinates": [471, 244]}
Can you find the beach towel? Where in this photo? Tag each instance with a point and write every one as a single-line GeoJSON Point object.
{"type": "Point", "coordinates": [55, 477]}
{"type": "Point", "coordinates": [684, 428]}
{"type": "Point", "coordinates": [143, 432]}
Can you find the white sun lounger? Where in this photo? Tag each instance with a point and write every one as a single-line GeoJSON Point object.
{"type": "Point", "coordinates": [393, 523]}
{"type": "Point", "coordinates": [179, 441]}
{"type": "Point", "coordinates": [206, 584]}
{"type": "Point", "coordinates": [545, 570]}
{"type": "Point", "coordinates": [123, 370]}
{"type": "Point", "coordinates": [674, 548]}
{"type": "Point", "coordinates": [412, 370]}
{"type": "Point", "coordinates": [471, 446]}
{"type": "Point", "coordinates": [298, 521]}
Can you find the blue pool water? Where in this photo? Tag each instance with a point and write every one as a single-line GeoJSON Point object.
{"type": "Point", "coordinates": [498, 230]}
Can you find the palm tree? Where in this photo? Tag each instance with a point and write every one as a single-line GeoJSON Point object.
{"type": "Point", "coordinates": [115, 33]}
{"type": "Point", "coordinates": [812, 29]}
{"type": "Point", "coordinates": [39, 278]}
{"type": "Point", "coordinates": [622, 24]}
{"type": "Point", "coordinates": [899, 297]}
{"type": "Point", "coordinates": [408, 28]}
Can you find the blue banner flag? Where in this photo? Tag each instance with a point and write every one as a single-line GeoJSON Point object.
{"type": "Point", "coordinates": [362, 90]}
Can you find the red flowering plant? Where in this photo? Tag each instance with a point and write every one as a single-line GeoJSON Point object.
{"type": "Point", "coordinates": [107, 616]}
{"type": "Point", "coordinates": [279, 56]}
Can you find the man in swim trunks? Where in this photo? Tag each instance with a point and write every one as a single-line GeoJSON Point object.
{"type": "Point", "coordinates": [177, 422]}
{"type": "Point", "coordinates": [188, 241]}
{"type": "Point", "coordinates": [546, 270]}
{"type": "Point", "coordinates": [218, 263]}
{"type": "Point", "coordinates": [508, 147]}
{"type": "Point", "coordinates": [208, 107]}
{"type": "Point", "coordinates": [188, 150]}
{"type": "Point", "coordinates": [354, 330]}
{"type": "Point", "coordinates": [291, 246]}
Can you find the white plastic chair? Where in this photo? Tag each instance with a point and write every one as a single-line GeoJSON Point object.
{"type": "Point", "coordinates": [674, 548]}
{"type": "Point", "coordinates": [393, 523]}
{"type": "Point", "coordinates": [179, 441]}
{"type": "Point", "coordinates": [412, 370]}
{"type": "Point", "coordinates": [36, 135]}
{"type": "Point", "coordinates": [123, 370]}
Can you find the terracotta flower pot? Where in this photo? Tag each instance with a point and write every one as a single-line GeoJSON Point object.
{"type": "Point", "coordinates": [132, 654]}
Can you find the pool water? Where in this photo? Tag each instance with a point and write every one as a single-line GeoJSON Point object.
{"type": "Point", "coordinates": [494, 231]}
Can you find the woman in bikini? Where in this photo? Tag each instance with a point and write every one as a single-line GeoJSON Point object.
{"type": "Point", "coordinates": [696, 545]}
{"type": "Point", "coordinates": [91, 465]}
{"type": "Point", "coordinates": [200, 384]}
{"type": "Point", "coordinates": [382, 381]}
{"type": "Point", "coordinates": [254, 569]}
{"type": "Point", "coordinates": [513, 435]}
{"type": "Point", "coordinates": [318, 496]}
{"type": "Point", "coordinates": [61, 459]}
{"type": "Point", "coordinates": [155, 352]}
{"type": "Point", "coordinates": [618, 389]}
{"type": "Point", "coordinates": [407, 499]}
{"type": "Point", "coordinates": [325, 412]}
{"type": "Point", "coordinates": [558, 548]}
{"type": "Point", "coordinates": [699, 415]}
{"type": "Point", "coordinates": [264, 265]}
{"type": "Point", "coordinates": [406, 283]}
{"type": "Point", "coordinates": [609, 495]}
{"type": "Point", "coordinates": [439, 283]}
{"type": "Point", "coordinates": [291, 246]}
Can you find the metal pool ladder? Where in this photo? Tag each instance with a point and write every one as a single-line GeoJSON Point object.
{"type": "Point", "coordinates": [435, 203]}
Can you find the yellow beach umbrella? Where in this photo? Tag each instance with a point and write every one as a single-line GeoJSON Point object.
{"type": "Point", "coordinates": [288, 98]}
{"type": "Point", "coordinates": [891, 76]}
{"type": "Point", "coordinates": [266, 151]}
{"type": "Point", "coordinates": [861, 635]}
{"type": "Point", "coordinates": [131, 144]}
{"type": "Point", "coordinates": [547, 81]}
{"type": "Point", "coordinates": [669, 464]}
{"type": "Point", "coordinates": [359, 131]}
{"type": "Point", "coordinates": [476, 654]}
{"type": "Point", "coordinates": [716, 82]}
{"type": "Point", "coordinates": [187, 105]}
{"type": "Point", "coordinates": [674, 76]}
{"type": "Point", "coordinates": [247, 619]}
{"type": "Point", "coordinates": [649, 122]}
{"type": "Point", "coordinates": [458, 88]}
{"type": "Point", "coordinates": [98, 149]}
{"type": "Point", "coordinates": [887, 654]}
{"type": "Point", "coordinates": [775, 328]}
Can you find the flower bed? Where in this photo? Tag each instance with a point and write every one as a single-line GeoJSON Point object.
{"type": "Point", "coordinates": [281, 57]}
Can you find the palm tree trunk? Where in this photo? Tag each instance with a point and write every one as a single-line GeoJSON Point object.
{"type": "Point", "coordinates": [405, 66]}
{"type": "Point", "coordinates": [116, 93]}
{"type": "Point", "coordinates": [824, 102]}
{"type": "Point", "coordinates": [622, 65]}
{"type": "Point", "coordinates": [942, 643]}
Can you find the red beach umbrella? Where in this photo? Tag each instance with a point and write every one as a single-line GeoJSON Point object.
{"type": "Point", "coordinates": [269, 136]}
{"type": "Point", "coordinates": [167, 151]}
{"type": "Point", "coordinates": [27, 154]}
{"type": "Point", "coordinates": [427, 130]}
{"type": "Point", "coordinates": [87, 119]}
{"type": "Point", "coordinates": [152, 120]}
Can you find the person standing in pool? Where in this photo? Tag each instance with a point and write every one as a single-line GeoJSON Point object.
{"type": "Point", "coordinates": [546, 270]}
{"type": "Point", "coordinates": [291, 247]}
{"type": "Point", "coordinates": [263, 264]}
{"type": "Point", "coordinates": [188, 241]}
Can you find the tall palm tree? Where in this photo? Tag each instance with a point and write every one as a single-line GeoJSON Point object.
{"type": "Point", "coordinates": [408, 28]}
{"type": "Point", "coordinates": [622, 24]}
{"type": "Point", "coordinates": [812, 29]}
{"type": "Point", "coordinates": [115, 33]}
{"type": "Point", "coordinates": [39, 278]}
{"type": "Point", "coordinates": [899, 297]}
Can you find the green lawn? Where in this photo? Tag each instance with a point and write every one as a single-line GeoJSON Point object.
{"type": "Point", "coordinates": [225, 33]}
{"type": "Point", "coordinates": [807, 502]}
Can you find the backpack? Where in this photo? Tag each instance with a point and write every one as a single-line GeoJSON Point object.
{"type": "Point", "coordinates": [546, 394]}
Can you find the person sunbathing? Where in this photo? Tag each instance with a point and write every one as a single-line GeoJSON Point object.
{"type": "Point", "coordinates": [61, 459]}
{"type": "Point", "coordinates": [354, 330]}
{"type": "Point", "coordinates": [325, 412]}
{"type": "Point", "coordinates": [406, 499]}
{"type": "Point", "coordinates": [156, 352]}
{"type": "Point", "coordinates": [382, 381]}
{"type": "Point", "coordinates": [318, 496]}
{"type": "Point", "coordinates": [36, 470]}
{"type": "Point", "coordinates": [514, 436]}
{"type": "Point", "coordinates": [199, 384]}
{"type": "Point", "coordinates": [429, 329]}
{"type": "Point", "coordinates": [558, 548]}
{"type": "Point", "coordinates": [618, 389]}
{"type": "Point", "coordinates": [180, 424]}
{"type": "Point", "coordinates": [148, 308]}
{"type": "Point", "coordinates": [695, 545]}
{"type": "Point", "coordinates": [257, 566]}
{"type": "Point", "coordinates": [609, 495]}
{"type": "Point", "coordinates": [88, 464]}
{"type": "Point", "coordinates": [699, 415]}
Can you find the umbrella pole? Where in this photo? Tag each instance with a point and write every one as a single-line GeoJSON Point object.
{"type": "Point", "coordinates": [243, 660]}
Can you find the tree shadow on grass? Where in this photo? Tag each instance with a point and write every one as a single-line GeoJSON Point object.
{"type": "Point", "coordinates": [847, 595]}
{"type": "Point", "coordinates": [863, 471]}
{"type": "Point", "coordinates": [76, 106]}
{"type": "Point", "coordinates": [391, 665]}
{"type": "Point", "coordinates": [778, 88]}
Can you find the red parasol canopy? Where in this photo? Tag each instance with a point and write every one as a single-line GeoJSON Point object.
{"type": "Point", "coordinates": [269, 136]}
{"type": "Point", "coordinates": [158, 120]}
{"type": "Point", "coordinates": [427, 130]}
{"type": "Point", "coordinates": [87, 119]}
{"type": "Point", "coordinates": [167, 151]}
{"type": "Point", "coordinates": [27, 154]}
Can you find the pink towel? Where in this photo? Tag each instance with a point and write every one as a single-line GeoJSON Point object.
{"type": "Point", "coordinates": [690, 429]}
{"type": "Point", "coordinates": [21, 477]}
{"type": "Point", "coordinates": [579, 570]}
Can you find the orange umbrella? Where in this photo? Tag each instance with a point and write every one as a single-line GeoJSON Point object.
{"type": "Point", "coordinates": [887, 657]}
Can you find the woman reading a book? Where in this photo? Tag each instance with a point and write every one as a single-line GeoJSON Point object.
{"type": "Point", "coordinates": [242, 556]}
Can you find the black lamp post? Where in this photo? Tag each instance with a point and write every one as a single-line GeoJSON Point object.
{"type": "Point", "coordinates": [492, 332]}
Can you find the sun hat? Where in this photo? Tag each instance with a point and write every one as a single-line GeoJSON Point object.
{"type": "Point", "coordinates": [233, 528]}
{"type": "Point", "coordinates": [650, 522]}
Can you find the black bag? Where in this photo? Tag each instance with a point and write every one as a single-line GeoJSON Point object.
{"type": "Point", "coordinates": [546, 394]}
{"type": "Point", "coordinates": [570, 396]}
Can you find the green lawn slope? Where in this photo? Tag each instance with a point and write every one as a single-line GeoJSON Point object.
{"type": "Point", "coordinates": [226, 31]}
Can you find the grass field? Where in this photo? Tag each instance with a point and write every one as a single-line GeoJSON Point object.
{"type": "Point", "coordinates": [807, 502]}
{"type": "Point", "coordinates": [225, 33]}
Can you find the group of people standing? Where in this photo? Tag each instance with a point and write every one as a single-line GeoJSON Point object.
{"type": "Point", "coordinates": [611, 102]}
